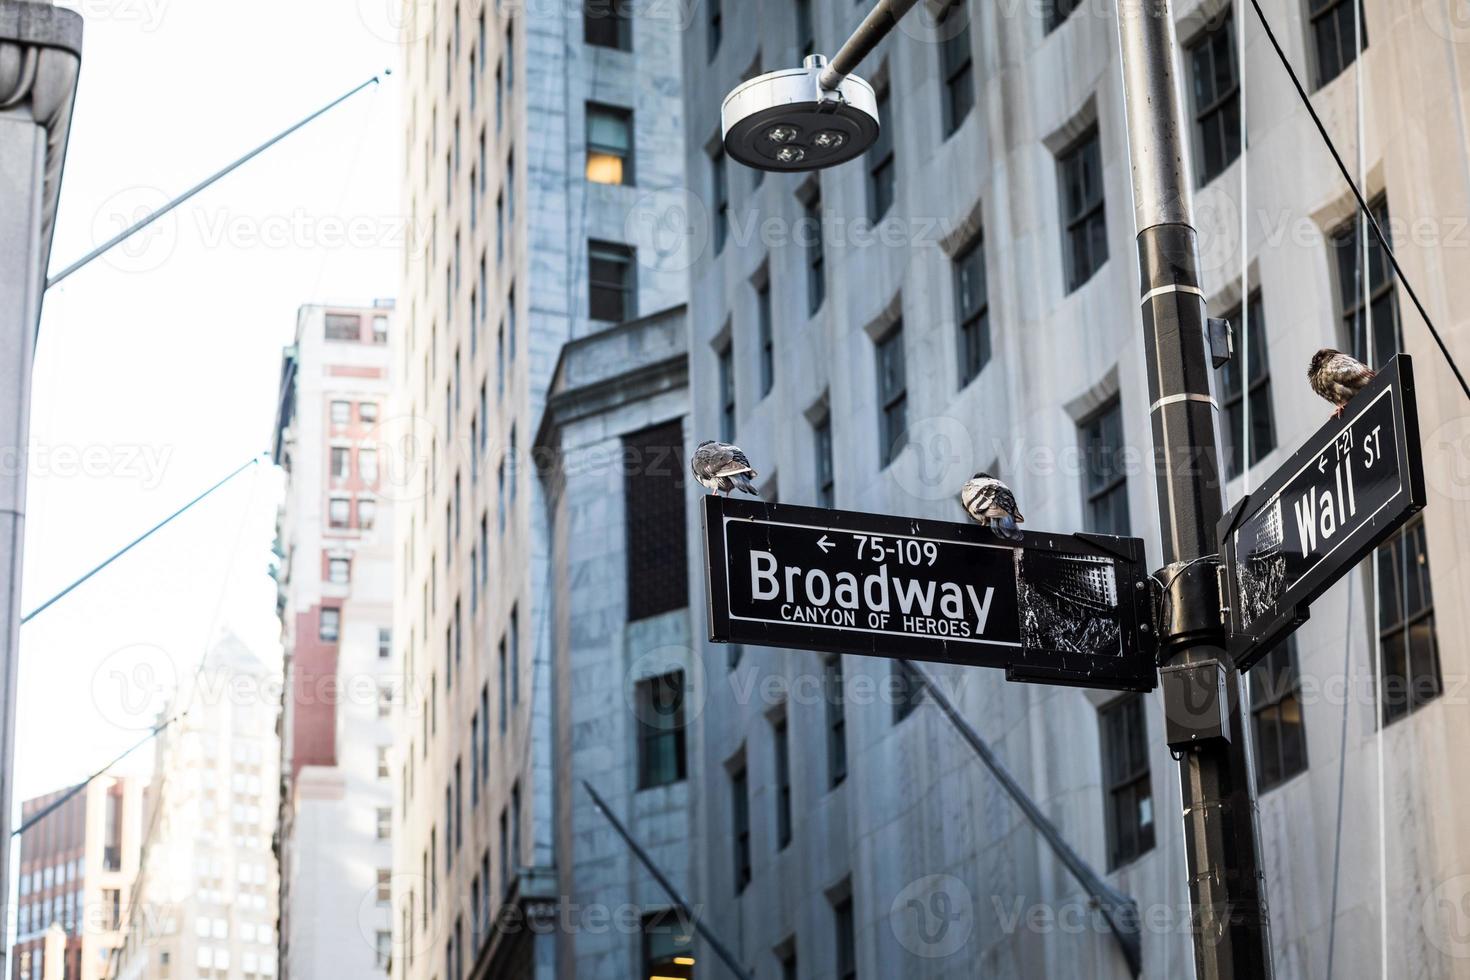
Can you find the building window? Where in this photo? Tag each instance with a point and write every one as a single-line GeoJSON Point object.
{"type": "Point", "coordinates": [661, 752]}
{"type": "Point", "coordinates": [653, 489]}
{"type": "Point", "coordinates": [383, 770]}
{"type": "Point", "coordinates": [341, 413]}
{"type": "Point", "coordinates": [783, 782]}
{"type": "Point", "coordinates": [384, 949]}
{"type": "Point", "coordinates": [385, 886]}
{"type": "Point", "coordinates": [609, 144]}
{"type": "Point", "coordinates": [822, 443]}
{"type": "Point", "coordinates": [329, 628]}
{"type": "Point", "coordinates": [740, 825]}
{"type": "Point", "coordinates": [343, 326]}
{"type": "Point", "coordinates": [367, 513]}
{"type": "Point", "coordinates": [1234, 392]}
{"type": "Point", "coordinates": [806, 37]}
{"type": "Point", "coordinates": [1057, 11]}
{"type": "Point", "coordinates": [892, 396]}
{"type": "Point", "coordinates": [1382, 306]}
{"type": "Point", "coordinates": [1105, 475]}
{"type": "Point", "coordinates": [845, 936]}
{"type": "Point", "coordinates": [908, 690]}
{"type": "Point", "coordinates": [1276, 717]}
{"type": "Point", "coordinates": [385, 643]}
{"type": "Point", "coordinates": [767, 336]}
{"type": "Point", "coordinates": [1333, 37]}
{"type": "Point", "coordinates": [610, 281]}
{"type": "Point", "coordinates": [339, 513]}
{"type": "Point", "coordinates": [1083, 216]}
{"type": "Point", "coordinates": [811, 239]}
{"type": "Point", "coordinates": [956, 64]}
{"type": "Point", "coordinates": [719, 186]}
{"type": "Point", "coordinates": [341, 462]}
{"type": "Point", "coordinates": [881, 170]}
{"type": "Point", "coordinates": [833, 692]}
{"type": "Point", "coordinates": [972, 310]}
{"type": "Point", "coordinates": [668, 948]}
{"type": "Point", "coordinates": [714, 27]}
{"type": "Point", "coordinates": [726, 360]}
{"type": "Point", "coordinates": [1128, 791]}
{"type": "Point", "coordinates": [367, 411]}
{"type": "Point", "coordinates": [1408, 642]}
{"type": "Point", "coordinates": [1216, 98]}
{"type": "Point", "coordinates": [385, 822]}
{"type": "Point", "coordinates": [608, 24]}
{"type": "Point", "coordinates": [788, 961]}
{"type": "Point", "coordinates": [339, 570]}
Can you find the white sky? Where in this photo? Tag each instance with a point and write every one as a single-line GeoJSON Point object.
{"type": "Point", "coordinates": [159, 363]}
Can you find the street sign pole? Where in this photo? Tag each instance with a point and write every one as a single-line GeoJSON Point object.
{"type": "Point", "coordinates": [1227, 888]}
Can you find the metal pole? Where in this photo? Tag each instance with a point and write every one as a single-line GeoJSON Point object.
{"type": "Point", "coordinates": [40, 56]}
{"type": "Point", "coordinates": [875, 27]}
{"type": "Point", "coordinates": [714, 943]}
{"type": "Point", "coordinates": [139, 225]}
{"type": "Point", "coordinates": [1120, 911]}
{"type": "Point", "coordinates": [1227, 888]}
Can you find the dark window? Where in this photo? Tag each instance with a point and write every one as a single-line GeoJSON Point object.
{"type": "Point", "coordinates": [816, 274]}
{"type": "Point", "coordinates": [608, 23]}
{"type": "Point", "coordinates": [845, 935]}
{"type": "Point", "coordinates": [610, 281]}
{"type": "Point", "coordinates": [806, 42]}
{"type": "Point", "coordinates": [908, 690]}
{"type": "Point", "coordinates": [740, 826]}
{"type": "Point", "coordinates": [654, 493]}
{"type": "Point", "coordinates": [504, 687]}
{"type": "Point", "coordinates": [726, 358]}
{"type": "Point", "coordinates": [788, 962]}
{"type": "Point", "coordinates": [892, 396]}
{"type": "Point", "coordinates": [661, 752]}
{"type": "Point", "coordinates": [972, 310]}
{"type": "Point", "coordinates": [720, 196]}
{"type": "Point", "coordinates": [1234, 395]}
{"type": "Point", "coordinates": [767, 337]}
{"type": "Point", "coordinates": [956, 64]}
{"type": "Point", "coordinates": [668, 947]}
{"type": "Point", "coordinates": [1083, 216]}
{"type": "Point", "coordinates": [1382, 306]}
{"type": "Point", "coordinates": [609, 144]}
{"type": "Point", "coordinates": [881, 173]}
{"type": "Point", "coordinates": [1105, 476]}
{"type": "Point", "coordinates": [783, 783]}
{"type": "Point", "coordinates": [1334, 37]}
{"type": "Point", "coordinates": [1276, 717]}
{"type": "Point", "coordinates": [1129, 793]}
{"type": "Point", "coordinates": [836, 721]}
{"type": "Point", "coordinates": [1058, 11]}
{"type": "Point", "coordinates": [822, 442]}
{"type": "Point", "coordinates": [505, 858]}
{"type": "Point", "coordinates": [343, 326]}
{"type": "Point", "coordinates": [1407, 638]}
{"type": "Point", "coordinates": [1216, 98]}
{"type": "Point", "coordinates": [714, 26]}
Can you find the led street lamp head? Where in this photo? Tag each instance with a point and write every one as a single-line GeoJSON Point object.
{"type": "Point", "coordinates": [786, 121]}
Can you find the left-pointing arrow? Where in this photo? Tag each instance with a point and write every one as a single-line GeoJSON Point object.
{"type": "Point", "coordinates": [824, 544]}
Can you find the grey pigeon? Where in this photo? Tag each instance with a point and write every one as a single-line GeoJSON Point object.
{"type": "Point", "coordinates": [722, 467]}
{"type": "Point", "coordinates": [1337, 377]}
{"type": "Point", "coordinates": [991, 503]}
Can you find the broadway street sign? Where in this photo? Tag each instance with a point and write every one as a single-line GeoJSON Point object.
{"type": "Point", "coordinates": [1347, 489]}
{"type": "Point", "coordinates": [1061, 609]}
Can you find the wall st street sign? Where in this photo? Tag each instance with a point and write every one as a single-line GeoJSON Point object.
{"type": "Point", "coordinates": [1060, 609]}
{"type": "Point", "coordinates": [1350, 486]}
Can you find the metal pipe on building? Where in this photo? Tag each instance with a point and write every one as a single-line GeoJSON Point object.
{"type": "Point", "coordinates": [877, 25]}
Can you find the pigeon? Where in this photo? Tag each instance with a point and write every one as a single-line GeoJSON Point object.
{"type": "Point", "coordinates": [1337, 377]}
{"type": "Point", "coordinates": [722, 467]}
{"type": "Point", "coordinates": [991, 503]}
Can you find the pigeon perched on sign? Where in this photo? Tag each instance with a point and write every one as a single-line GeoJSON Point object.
{"type": "Point", "coordinates": [991, 503]}
{"type": "Point", "coordinates": [722, 467]}
{"type": "Point", "coordinates": [1337, 377]}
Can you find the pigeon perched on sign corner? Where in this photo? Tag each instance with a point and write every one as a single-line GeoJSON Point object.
{"type": "Point", "coordinates": [991, 503]}
{"type": "Point", "coordinates": [721, 467]}
{"type": "Point", "coordinates": [1337, 377]}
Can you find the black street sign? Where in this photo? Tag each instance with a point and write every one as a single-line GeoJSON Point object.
{"type": "Point", "coordinates": [1060, 609]}
{"type": "Point", "coordinates": [1352, 484]}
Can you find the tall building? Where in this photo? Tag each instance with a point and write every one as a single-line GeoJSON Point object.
{"type": "Point", "coordinates": [77, 863]}
{"type": "Point", "coordinates": [335, 543]}
{"type": "Point", "coordinates": [538, 139]}
{"type": "Point", "coordinates": [964, 297]}
{"type": "Point", "coordinates": [204, 902]}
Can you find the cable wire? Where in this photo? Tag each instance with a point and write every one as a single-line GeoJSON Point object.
{"type": "Point", "coordinates": [1362, 203]}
